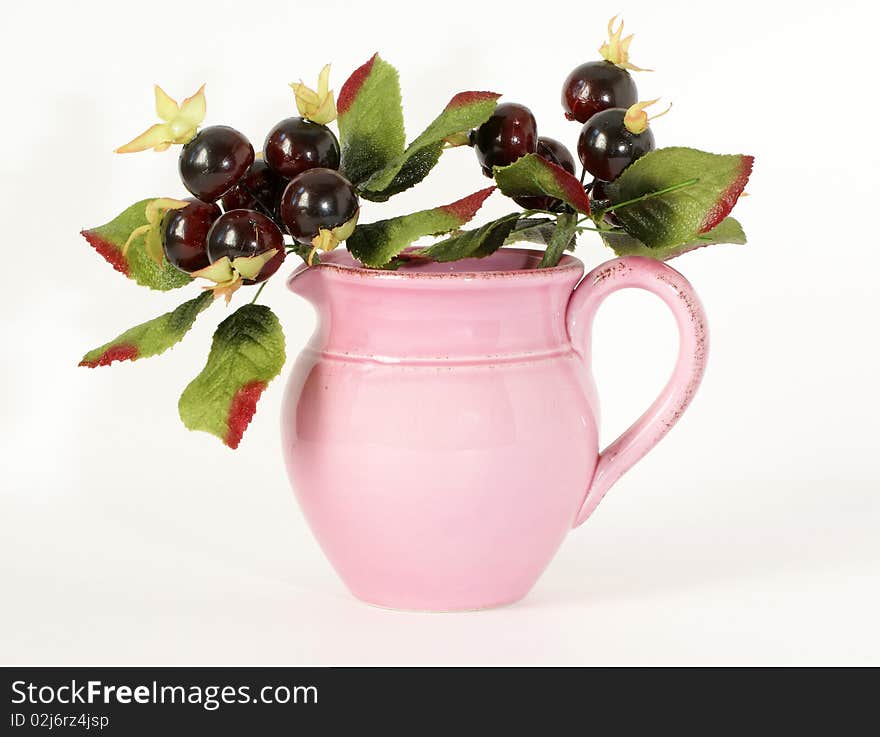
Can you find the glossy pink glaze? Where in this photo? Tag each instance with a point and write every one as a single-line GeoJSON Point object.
{"type": "Point", "coordinates": [439, 427]}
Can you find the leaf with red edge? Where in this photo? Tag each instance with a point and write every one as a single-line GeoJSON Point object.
{"type": "Point", "coordinates": [246, 354]}
{"type": "Point", "coordinates": [727, 231]}
{"type": "Point", "coordinates": [532, 175]}
{"type": "Point", "coordinates": [149, 338]}
{"type": "Point", "coordinates": [465, 111]}
{"type": "Point", "coordinates": [376, 244]}
{"type": "Point", "coordinates": [371, 133]}
{"type": "Point", "coordinates": [678, 217]}
{"type": "Point", "coordinates": [108, 240]}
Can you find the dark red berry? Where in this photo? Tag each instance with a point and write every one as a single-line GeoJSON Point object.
{"type": "Point", "coordinates": [606, 146]}
{"type": "Point", "coordinates": [295, 145]}
{"type": "Point", "coordinates": [238, 198]}
{"type": "Point", "coordinates": [599, 200]}
{"type": "Point", "coordinates": [510, 133]}
{"type": "Point", "coordinates": [316, 199]}
{"type": "Point", "coordinates": [212, 162]}
{"type": "Point", "coordinates": [185, 233]}
{"type": "Point", "coordinates": [598, 194]}
{"type": "Point", "coordinates": [246, 233]}
{"type": "Point", "coordinates": [597, 86]}
{"type": "Point", "coordinates": [276, 210]}
{"type": "Point", "coordinates": [258, 189]}
{"type": "Point", "coordinates": [555, 153]}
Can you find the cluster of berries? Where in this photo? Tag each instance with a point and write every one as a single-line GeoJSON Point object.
{"type": "Point", "coordinates": [301, 194]}
{"type": "Point", "coordinates": [600, 94]}
{"type": "Point", "coordinates": [231, 231]}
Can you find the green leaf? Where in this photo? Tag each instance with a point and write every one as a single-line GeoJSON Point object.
{"type": "Point", "coordinates": [566, 228]}
{"type": "Point", "coordinates": [727, 231]}
{"type": "Point", "coordinates": [464, 111]}
{"type": "Point", "coordinates": [676, 218]}
{"type": "Point", "coordinates": [473, 243]}
{"type": "Point", "coordinates": [246, 354]}
{"type": "Point", "coordinates": [376, 244]}
{"type": "Point", "coordinates": [150, 338]}
{"type": "Point", "coordinates": [109, 239]}
{"type": "Point", "coordinates": [414, 170]}
{"type": "Point", "coordinates": [371, 133]}
{"type": "Point", "coordinates": [532, 230]}
{"type": "Point", "coordinates": [533, 175]}
{"type": "Point", "coordinates": [537, 230]}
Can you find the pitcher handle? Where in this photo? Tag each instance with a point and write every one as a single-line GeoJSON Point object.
{"type": "Point", "coordinates": [646, 432]}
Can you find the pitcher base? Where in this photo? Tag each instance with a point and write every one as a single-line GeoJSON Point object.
{"type": "Point", "coordinates": [440, 607]}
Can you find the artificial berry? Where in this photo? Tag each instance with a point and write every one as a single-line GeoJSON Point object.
{"type": "Point", "coordinates": [317, 199]}
{"type": "Point", "coordinates": [276, 210]}
{"type": "Point", "coordinates": [511, 132]}
{"type": "Point", "coordinates": [212, 162]}
{"type": "Point", "coordinates": [594, 87]}
{"type": "Point", "coordinates": [597, 191]}
{"type": "Point", "coordinates": [606, 146]}
{"type": "Point", "coordinates": [185, 233]}
{"type": "Point", "coordinates": [246, 233]}
{"type": "Point", "coordinates": [556, 153]}
{"type": "Point", "coordinates": [258, 189]}
{"type": "Point", "coordinates": [295, 145]}
{"type": "Point", "coordinates": [598, 195]}
{"type": "Point", "coordinates": [238, 198]}
{"type": "Point", "coordinates": [599, 200]}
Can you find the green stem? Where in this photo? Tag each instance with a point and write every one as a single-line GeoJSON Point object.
{"type": "Point", "coordinates": [581, 229]}
{"type": "Point", "coordinates": [642, 198]}
{"type": "Point", "coordinates": [598, 229]}
{"type": "Point", "coordinates": [258, 292]}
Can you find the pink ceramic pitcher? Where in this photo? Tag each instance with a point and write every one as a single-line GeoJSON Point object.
{"type": "Point", "coordinates": [440, 425]}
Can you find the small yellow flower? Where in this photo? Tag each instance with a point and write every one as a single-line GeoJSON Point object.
{"type": "Point", "coordinates": [616, 49]}
{"type": "Point", "coordinates": [181, 122]}
{"type": "Point", "coordinates": [636, 119]}
{"type": "Point", "coordinates": [328, 239]}
{"type": "Point", "coordinates": [228, 274]}
{"type": "Point", "coordinates": [154, 212]}
{"type": "Point", "coordinates": [318, 106]}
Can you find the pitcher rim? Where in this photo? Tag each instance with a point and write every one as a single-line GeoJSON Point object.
{"type": "Point", "coordinates": [566, 264]}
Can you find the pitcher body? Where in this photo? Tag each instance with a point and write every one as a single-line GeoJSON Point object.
{"type": "Point", "coordinates": [439, 428]}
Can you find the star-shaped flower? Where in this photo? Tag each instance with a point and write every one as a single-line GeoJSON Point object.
{"type": "Point", "coordinates": [229, 274]}
{"type": "Point", "coordinates": [152, 231]}
{"type": "Point", "coordinates": [328, 238]}
{"type": "Point", "coordinates": [181, 122]}
{"type": "Point", "coordinates": [636, 119]}
{"type": "Point", "coordinates": [318, 106]}
{"type": "Point", "coordinates": [616, 49]}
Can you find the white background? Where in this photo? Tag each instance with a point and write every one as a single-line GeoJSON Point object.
{"type": "Point", "coordinates": [750, 535]}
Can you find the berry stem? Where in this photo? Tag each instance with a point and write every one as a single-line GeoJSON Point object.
{"type": "Point", "coordinates": [253, 301]}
